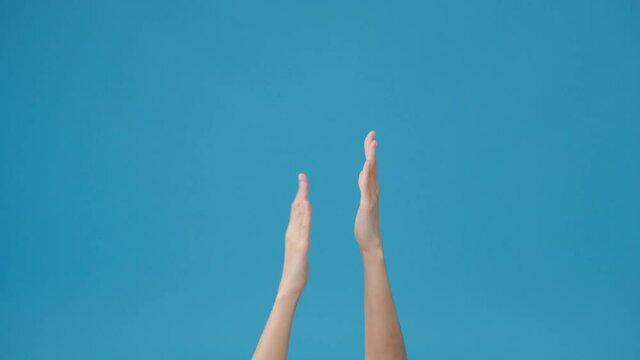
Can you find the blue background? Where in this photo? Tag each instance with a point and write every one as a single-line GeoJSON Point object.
{"type": "Point", "coordinates": [149, 152]}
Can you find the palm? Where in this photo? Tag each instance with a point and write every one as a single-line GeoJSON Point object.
{"type": "Point", "coordinates": [367, 228]}
{"type": "Point", "coordinates": [295, 269]}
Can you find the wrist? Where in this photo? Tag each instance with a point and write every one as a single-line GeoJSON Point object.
{"type": "Point", "coordinates": [288, 293]}
{"type": "Point", "coordinates": [370, 244]}
{"type": "Point", "coordinates": [372, 252]}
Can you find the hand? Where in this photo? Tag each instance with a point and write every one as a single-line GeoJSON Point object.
{"type": "Point", "coordinates": [367, 227]}
{"type": "Point", "coordinates": [295, 270]}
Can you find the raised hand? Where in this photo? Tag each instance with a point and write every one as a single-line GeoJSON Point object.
{"type": "Point", "coordinates": [295, 269]}
{"type": "Point", "coordinates": [367, 226]}
{"type": "Point", "coordinates": [383, 336]}
{"type": "Point", "coordinates": [274, 341]}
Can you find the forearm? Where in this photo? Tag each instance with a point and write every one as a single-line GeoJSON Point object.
{"type": "Point", "coordinates": [274, 342]}
{"type": "Point", "coordinates": [383, 337]}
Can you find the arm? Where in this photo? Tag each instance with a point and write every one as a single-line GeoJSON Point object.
{"type": "Point", "coordinates": [274, 342]}
{"type": "Point", "coordinates": [383, 337]}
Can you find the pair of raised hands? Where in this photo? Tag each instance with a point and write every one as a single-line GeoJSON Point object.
{"type": "Point", "coordinates": [367, 229]}
{"type": "Point", "coordinates": [383, 337]}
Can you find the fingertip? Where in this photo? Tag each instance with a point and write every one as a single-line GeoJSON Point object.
{"type": "Point", "coordinates": [303, 185]}
{"type": "Point", "coordinates": [367, 143]}
{"type": "Point", "coordinates": [370, 136]}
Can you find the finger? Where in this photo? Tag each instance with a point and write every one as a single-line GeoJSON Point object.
{"type": "Point", "coordinates": [303, 188]}
{"type": "Point", "coordinates": [367, 143]}
{"type": "Point", "coordinates": [370, 161]}
{"type": "Point", "coordinates": [373, 147]}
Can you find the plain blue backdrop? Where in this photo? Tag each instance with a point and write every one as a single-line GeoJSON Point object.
{"type": "Point", "coordinates": [149, 153]}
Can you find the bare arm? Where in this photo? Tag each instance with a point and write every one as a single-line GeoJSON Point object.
{"type": "Point", "coordinates": [383, 337]}
{"type": "Point", "coordinates": [274, 342]}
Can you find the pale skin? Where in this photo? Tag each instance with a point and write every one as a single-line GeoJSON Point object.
{"type": "Point", "coordinates": [383, 337]}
